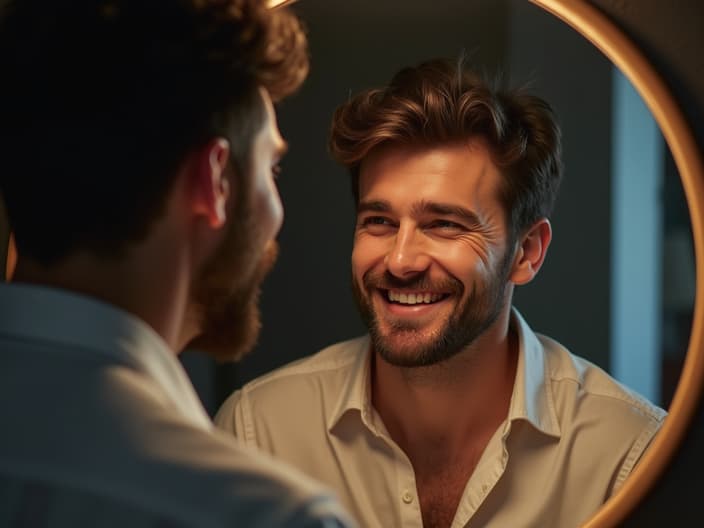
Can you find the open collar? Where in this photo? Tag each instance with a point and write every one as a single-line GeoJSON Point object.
{"type": "Point", "coordinates": [531, 400]}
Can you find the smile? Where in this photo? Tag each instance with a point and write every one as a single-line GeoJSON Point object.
{"type": "Point", "coordinates": [411, 298]}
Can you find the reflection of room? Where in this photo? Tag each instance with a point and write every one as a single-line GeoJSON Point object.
{"type": "Point", "coordinates": [630, 306]}
{"type": "Point", "coordinates": [653, 277]}
{"type": "Point", "coordinates": [636, 241]}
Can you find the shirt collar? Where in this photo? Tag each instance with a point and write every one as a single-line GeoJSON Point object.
{"type": "Point", "coordinates": [356, 394]}
{"type": "Point", "coordinates": [88, 328]}
{"type": "Point", "coordinates": [531, 398]}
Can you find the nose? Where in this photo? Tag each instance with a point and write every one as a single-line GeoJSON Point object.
{"type": "Point", "coordinates": [407, 256]}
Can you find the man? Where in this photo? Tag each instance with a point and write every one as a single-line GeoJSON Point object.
{"type": "Point", "coordinates": [452, 412]}
{"type": "Point", "coordinates": [139, 146]}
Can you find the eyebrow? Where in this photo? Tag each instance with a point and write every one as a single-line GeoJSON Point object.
{"type": "Point", "coordinates": [444, 209]}
{"type": "Point", "coordinates": [374, 206]}
{"type": "Point", "coordinates": [423, 207]}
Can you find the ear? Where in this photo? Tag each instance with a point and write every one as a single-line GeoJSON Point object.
{"type": "Point", "coordinates": [211, 188]}
{"type": "Point", "coordinates": [530, 254]}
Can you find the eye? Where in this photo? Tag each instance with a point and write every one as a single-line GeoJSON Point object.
{"type": "Point", "coordinates": [376, 225]}
{"type": "Point", "coordinates": [375, 220]}
{"type": "Point", "coordinates": [446, 225]}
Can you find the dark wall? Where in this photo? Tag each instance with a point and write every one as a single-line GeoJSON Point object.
{"type": "Point", "coordinates": [570, 298]}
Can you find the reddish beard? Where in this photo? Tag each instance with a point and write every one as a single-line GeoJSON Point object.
{"type": "Point", "coordinates": [226, 293]}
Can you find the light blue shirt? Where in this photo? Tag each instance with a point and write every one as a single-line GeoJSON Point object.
{"type": "Point", "coordinates": [102, 427]}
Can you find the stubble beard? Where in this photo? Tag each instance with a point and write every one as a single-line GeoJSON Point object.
{"type": "Point", "coordinates": [406, 343]}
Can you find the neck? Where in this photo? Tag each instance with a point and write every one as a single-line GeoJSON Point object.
{"type": "Point", "coordinates": [449, 406]}
{"type": "Point", "coordinates": [149, 283]}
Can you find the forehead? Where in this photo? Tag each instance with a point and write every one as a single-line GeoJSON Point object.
{"type": "Point", "coordinates": [459, 173]}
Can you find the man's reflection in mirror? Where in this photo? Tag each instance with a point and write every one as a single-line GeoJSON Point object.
{"type": "Point", "coordinates": [452, 411]}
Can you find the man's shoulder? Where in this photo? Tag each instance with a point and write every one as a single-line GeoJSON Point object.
{"type": "Point", "coordinates": [306, 391]}
{"type": "Point", "coordinates": [159, 462]}
{"type": "Point", "coordinates": [331, 363]}
{"type": "Point", "coordinates": [188, 477]}
{"type": "Point", "coordinates": [581, 384]}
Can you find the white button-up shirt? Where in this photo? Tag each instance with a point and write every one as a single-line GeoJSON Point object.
{"type": "Point", "coordinates": [101, 427]}
{"type": "Point", "coordinates": [571, 437]}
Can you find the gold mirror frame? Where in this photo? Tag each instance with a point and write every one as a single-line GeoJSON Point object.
{"type": "Point", "coordinates": [612, 42]}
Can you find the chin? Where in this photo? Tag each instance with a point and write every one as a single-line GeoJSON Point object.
{"type": "Point", "coordinates": [230, 334]}
{"type": "Point", "coordinates": [409, 348]}
{"type": "Point", "coordinates": [227, 307]}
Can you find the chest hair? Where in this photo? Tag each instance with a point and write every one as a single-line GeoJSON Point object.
{"type": "Point", "coordinates": [440, 489]}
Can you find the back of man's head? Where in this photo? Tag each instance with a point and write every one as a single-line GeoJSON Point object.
{"type": "Point", "coordinates": [101, 100]}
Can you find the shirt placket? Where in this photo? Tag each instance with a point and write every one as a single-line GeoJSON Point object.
{"type": "Point", "coordinates": [489, 470]}
{"type": "Point", "coordinates": [406, 496]}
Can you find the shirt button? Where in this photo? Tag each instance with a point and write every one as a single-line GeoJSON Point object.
{"type": "Point", "coordinates": [407, 497]}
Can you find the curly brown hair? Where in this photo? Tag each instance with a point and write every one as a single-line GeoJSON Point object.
{"type": "Point", "coordinates": [101, 100]}
{"type": "Point", "coordinates": [440, 102]}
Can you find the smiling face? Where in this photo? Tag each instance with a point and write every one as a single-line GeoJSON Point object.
{"type": "Point", "coordinates": [431, 262]}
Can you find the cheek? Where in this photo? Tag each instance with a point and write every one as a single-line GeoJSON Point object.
{"type": "Point", "coordinates": [365, 257]}
{"type": "Point", "coordinates": [358, 261]}
{"type": "Point", "coordinates": [464, 264]}
{"type": "Point", "coordinates": [468, 257]}
{"type": "Point", "coordinates": [367, 253]}
{"type": "Point", "coordinates": [268, 207]}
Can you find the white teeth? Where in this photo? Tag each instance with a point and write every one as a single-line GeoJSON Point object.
{"type": "Point", "coordinates": [413, 298]}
